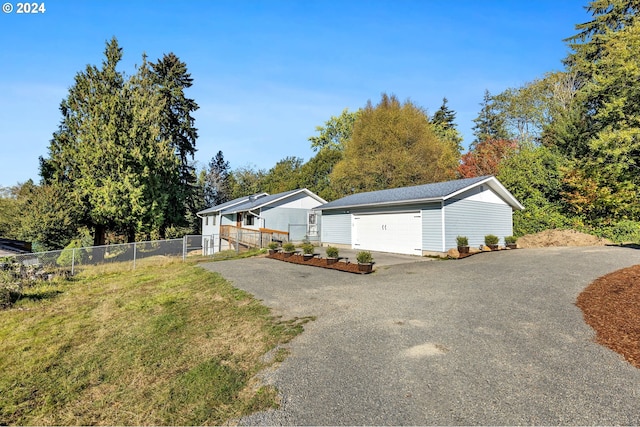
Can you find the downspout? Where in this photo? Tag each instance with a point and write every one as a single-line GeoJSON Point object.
{"type": "Point", "coordinates": [442, 225]}
{"type": "Point", "coordinates": [257, 216]}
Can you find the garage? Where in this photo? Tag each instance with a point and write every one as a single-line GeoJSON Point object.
{"type": "Point", "coordinates": [422, 219]}
{"type": "Point", "coordinates": [398, 232]}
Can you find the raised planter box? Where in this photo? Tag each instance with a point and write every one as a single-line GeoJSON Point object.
{"type": "Point", "coordinates": [322, 262]}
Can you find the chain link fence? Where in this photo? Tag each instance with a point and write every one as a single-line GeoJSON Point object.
{"type": "Point", "coordinates": [75, 258]}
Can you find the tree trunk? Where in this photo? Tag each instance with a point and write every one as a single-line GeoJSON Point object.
{"type": "Point", "coordinates": [98, 240]}
{"type": "Point", "coordinates": [99, 235]}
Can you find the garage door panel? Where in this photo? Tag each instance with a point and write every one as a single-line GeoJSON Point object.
{"type": "Point", "coordinates": [393, 232]}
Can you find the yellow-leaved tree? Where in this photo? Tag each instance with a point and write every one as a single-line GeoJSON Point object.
{"type": "Point", "coordinates": [393, 145]}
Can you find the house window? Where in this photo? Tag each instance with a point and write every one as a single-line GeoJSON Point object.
{"type": "Point", "coordinates": [206, 220]}
{"type": "Point", "coordinates": [249, 220]}
{"type": "Point", "coordinates": [214, 219]}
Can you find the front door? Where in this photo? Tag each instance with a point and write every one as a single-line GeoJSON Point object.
{"type": "Point", "coordinates": [239, 219]}
{"type": "Point", "coordinates": [312, 225]}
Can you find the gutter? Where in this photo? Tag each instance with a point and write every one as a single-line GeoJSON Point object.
{"type": "Point", "coordinates": [256, 215]}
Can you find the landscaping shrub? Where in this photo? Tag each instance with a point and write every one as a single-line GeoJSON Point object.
{"type": "Point", "coordinates": [491, 239]}
{"type": "Point", "coordinates": [332, 252]}
{"type": "Point", "coordinates": [364, 257]}
{"type": "Point", "coordinates": [624, 231]}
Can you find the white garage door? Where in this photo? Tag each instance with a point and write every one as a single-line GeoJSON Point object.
{"type": "Point", "coordinates": [394, 232]}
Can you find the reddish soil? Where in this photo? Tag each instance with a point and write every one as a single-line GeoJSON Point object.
{"type": "Point", "coordinates": [340, 265]}
{"type": "Point", "coordinates": [611, 306]}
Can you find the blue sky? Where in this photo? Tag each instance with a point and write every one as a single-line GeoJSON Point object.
{"type": "Point", "coordinates": [266, 73]}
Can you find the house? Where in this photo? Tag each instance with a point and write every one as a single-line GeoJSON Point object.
{"type": "Point", "coordinates": [422, 219]}
{"type": "Point", "coordinates": [257, 219]}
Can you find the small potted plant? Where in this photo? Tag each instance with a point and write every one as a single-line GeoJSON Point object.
{"type": "Point", "coordinates": [365, 261]}
{"type": "Point", "coordinates": [307, 251]}
{"type": "Point", "coordinates": [288, 249]}
{"type": "Point", "coordinates": [511, 242]}
{"type": "Point", "coordinates": [332, 255]}
{"type": "Point", "coordinates": [491, 241]}
{"type": "Point", "coordinates": [463, 244]}
{"type": "Point", "coordinates": [273, 247]}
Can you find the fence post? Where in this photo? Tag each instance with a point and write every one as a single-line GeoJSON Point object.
{"type": "Point", "coordinates": [134, 255]}
{"type": "Point", "coordinates": [184, 248]}
{"type": "Point", "coordinates": [73, 260]}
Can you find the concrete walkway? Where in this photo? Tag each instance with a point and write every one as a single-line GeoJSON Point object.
{"type": "Point", "coordinates": [493, 339]}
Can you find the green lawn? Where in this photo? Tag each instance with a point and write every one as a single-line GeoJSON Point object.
{"type": "Point", "coordinates": [166, 344]}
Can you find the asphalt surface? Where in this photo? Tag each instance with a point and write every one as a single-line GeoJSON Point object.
{"type": "Point", "coordinates": [493, 339]}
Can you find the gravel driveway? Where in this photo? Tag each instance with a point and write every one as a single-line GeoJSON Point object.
{"type": "Point", "coordinates": [491, 339]}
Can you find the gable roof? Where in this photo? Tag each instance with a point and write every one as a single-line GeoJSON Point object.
{"type": "Point", "coordinates": [421, 193]}
{"type": "Point", "coordinates": [261, 202]}
{"type": "Point", "coordinates": [230, 203]}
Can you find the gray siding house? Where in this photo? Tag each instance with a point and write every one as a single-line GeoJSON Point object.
{"type": "Point", "coordinates": [421, 219]}
{"type": "Point", "coordinates": [288, 215]}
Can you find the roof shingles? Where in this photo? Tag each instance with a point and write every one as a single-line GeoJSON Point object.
{"type": "Point", "coordinates": [404, 194]}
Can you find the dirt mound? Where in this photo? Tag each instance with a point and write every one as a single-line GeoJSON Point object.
{"type": "Point", "coordinates": [560, 238]}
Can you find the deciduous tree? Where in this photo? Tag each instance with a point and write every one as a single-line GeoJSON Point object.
{"type": "Point", "coordinates": [284, 176]}
{"type": "Point", "coordinates": [392, 145]}
{"type": "Point", "coordinates": [335, 132]}
{"type": "Point", "coordinates": [485, 157]}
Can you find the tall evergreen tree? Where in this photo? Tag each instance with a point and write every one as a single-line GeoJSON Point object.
{"type": "Point", "coordinates": [178, 128]}
{"type": "Point", "coordinates": [87, 150]}
{"type": "Point", "coordinates": [217, 186]}
{"type": "Point", "coordinates": [113, 154]}
{"type": "Point", "coordinates": [608, 16]}
{"type": "Point", "coordinates": [490, 123]}
{"type": "Point", "coordinates": [609, 146]}
{"type": "Point", "coordinates": [153, 167]}
{"type": "Point", "coordinates": [445, 127]}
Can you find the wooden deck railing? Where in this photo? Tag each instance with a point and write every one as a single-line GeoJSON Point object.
{"type": "Point", "coordinates": [250, 237]}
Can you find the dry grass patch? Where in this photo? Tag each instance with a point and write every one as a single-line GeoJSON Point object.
{"type": "Point", "coordinates": [166, 344]}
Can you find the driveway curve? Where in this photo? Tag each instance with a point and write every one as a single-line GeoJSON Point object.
{"type": "Point", "coordinates": [487, 340]}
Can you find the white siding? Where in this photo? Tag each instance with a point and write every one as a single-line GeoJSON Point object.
{"type": "Point", "coordinates": [208, 227]}
{"type": "Point", "coordinates": [298, 201]}
{"type": "Point", "coordinates": [482, 193]}
{"type": "Point", "coordinates": [336, 228]}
